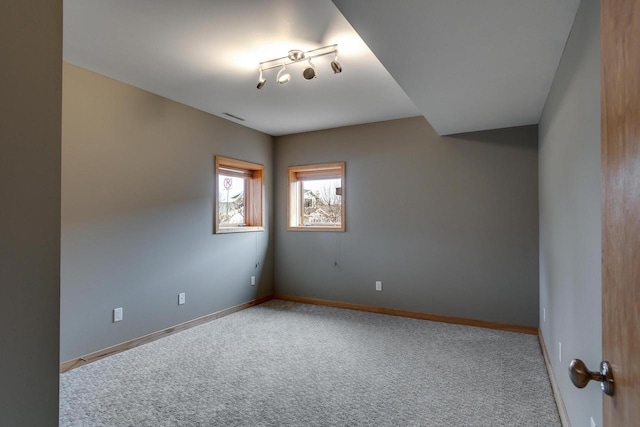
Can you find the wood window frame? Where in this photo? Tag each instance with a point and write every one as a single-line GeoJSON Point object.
{"type": "Point", "coordinates": [253, 196]}
{"type": "Point", "coordinates": [295, 198]}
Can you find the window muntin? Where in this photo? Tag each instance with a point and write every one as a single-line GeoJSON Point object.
{"type": "Point", "coordinates": [239, 196]}
{"type": "Point", "coordinates": [316, 197]}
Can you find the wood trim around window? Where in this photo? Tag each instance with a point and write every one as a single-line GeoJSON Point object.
{"type": "Point", "coordinates": [296, 174]}
{"type": "Point", "coordinates": [253, 196]}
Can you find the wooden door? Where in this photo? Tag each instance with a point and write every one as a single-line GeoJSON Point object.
{"type": "Point", "coordinates": [620, 74]}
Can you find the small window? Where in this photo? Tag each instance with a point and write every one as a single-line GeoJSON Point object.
{"type": "Point", "coordinates": [316, 197]}
{"type": "Point", "coordinates": [239, 196]}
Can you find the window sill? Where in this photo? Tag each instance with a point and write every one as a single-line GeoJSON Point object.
{"type": "Point", "coordinates": [225, 230]}
{"type": "Point", "coordinates": [318, 228]}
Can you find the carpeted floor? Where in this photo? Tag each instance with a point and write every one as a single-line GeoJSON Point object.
{"type": "Point", "coordinates": [290, 364]}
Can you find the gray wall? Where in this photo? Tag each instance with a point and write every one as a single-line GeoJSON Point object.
{"type": "Point", "coordinates": [449, 224]}
{"type": "Point", "coordinates": [137, 214]}
{"type": "Point", "coordinates": [570, 214]}
{"type": "Point", "coordinates": [30, 109]}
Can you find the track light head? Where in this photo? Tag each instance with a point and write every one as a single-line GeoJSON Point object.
{"type": "Point", "coordinates": [283, 77]}
{"type": "Point", "coordinates": [310, 72]}
{"type": "Point", "coordinates": [261, 80]}
{"type": "Point", "coordinates": [335, 65]}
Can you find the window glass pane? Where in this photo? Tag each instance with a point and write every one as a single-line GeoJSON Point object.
{"type": "Point", "coordinates": [231, 198]}
{"type": "Point", "coordinates": [321, 202]}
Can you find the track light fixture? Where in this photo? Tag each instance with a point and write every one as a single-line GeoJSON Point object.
{"type": "Point", "coordinates": [295, 56]}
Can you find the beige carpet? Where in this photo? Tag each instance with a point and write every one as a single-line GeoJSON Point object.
{"type": "Point", "coordinates": [290, 364]}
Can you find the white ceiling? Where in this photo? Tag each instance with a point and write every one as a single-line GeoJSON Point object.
{"type": "Point", "coordinates": [466, 64]}
{"type": "Point", "coordinates": [206, 53]}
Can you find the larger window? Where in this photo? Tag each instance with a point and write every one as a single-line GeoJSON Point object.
{"type": "Point", "coordinates": [316, 197]}
{"type": "Point", "coordinates": [239, 196]}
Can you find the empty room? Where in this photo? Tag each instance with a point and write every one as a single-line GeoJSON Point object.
{"type": "Point", "coordinates": [320, 213]}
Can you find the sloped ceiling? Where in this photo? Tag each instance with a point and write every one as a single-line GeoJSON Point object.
{"type": "Point", "coordinates": [468, 64]}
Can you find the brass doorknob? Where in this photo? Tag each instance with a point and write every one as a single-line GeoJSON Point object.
{"type": "Point", "coordinates": [580, 375]}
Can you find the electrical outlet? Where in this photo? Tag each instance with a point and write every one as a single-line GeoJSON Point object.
{"type": "Point", "coordinates": [117, 314]}
{"type": "Point", "coordinates": [378, 285]}
{"type": "Point", "coordinates": [253, 280]}
{"type": "Point", "coordinates": [182, 298]}
{"type": "Point", "coordinates": [593, 423]}
{"type": "Point", "coordinates": [560, 351]}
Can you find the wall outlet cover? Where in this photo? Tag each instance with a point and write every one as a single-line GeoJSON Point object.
{"type": "Point", "coordinates": [253, 280]}
{"type": "Point", "coordinates": [117, 314]}
{"type": "Point", "coordinates": [378, 285]}
{"type": "Point", "coordinates": [182, 297]}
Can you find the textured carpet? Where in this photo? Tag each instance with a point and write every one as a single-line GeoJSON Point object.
{"type": "Point", "coordinates": [290, 364]}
